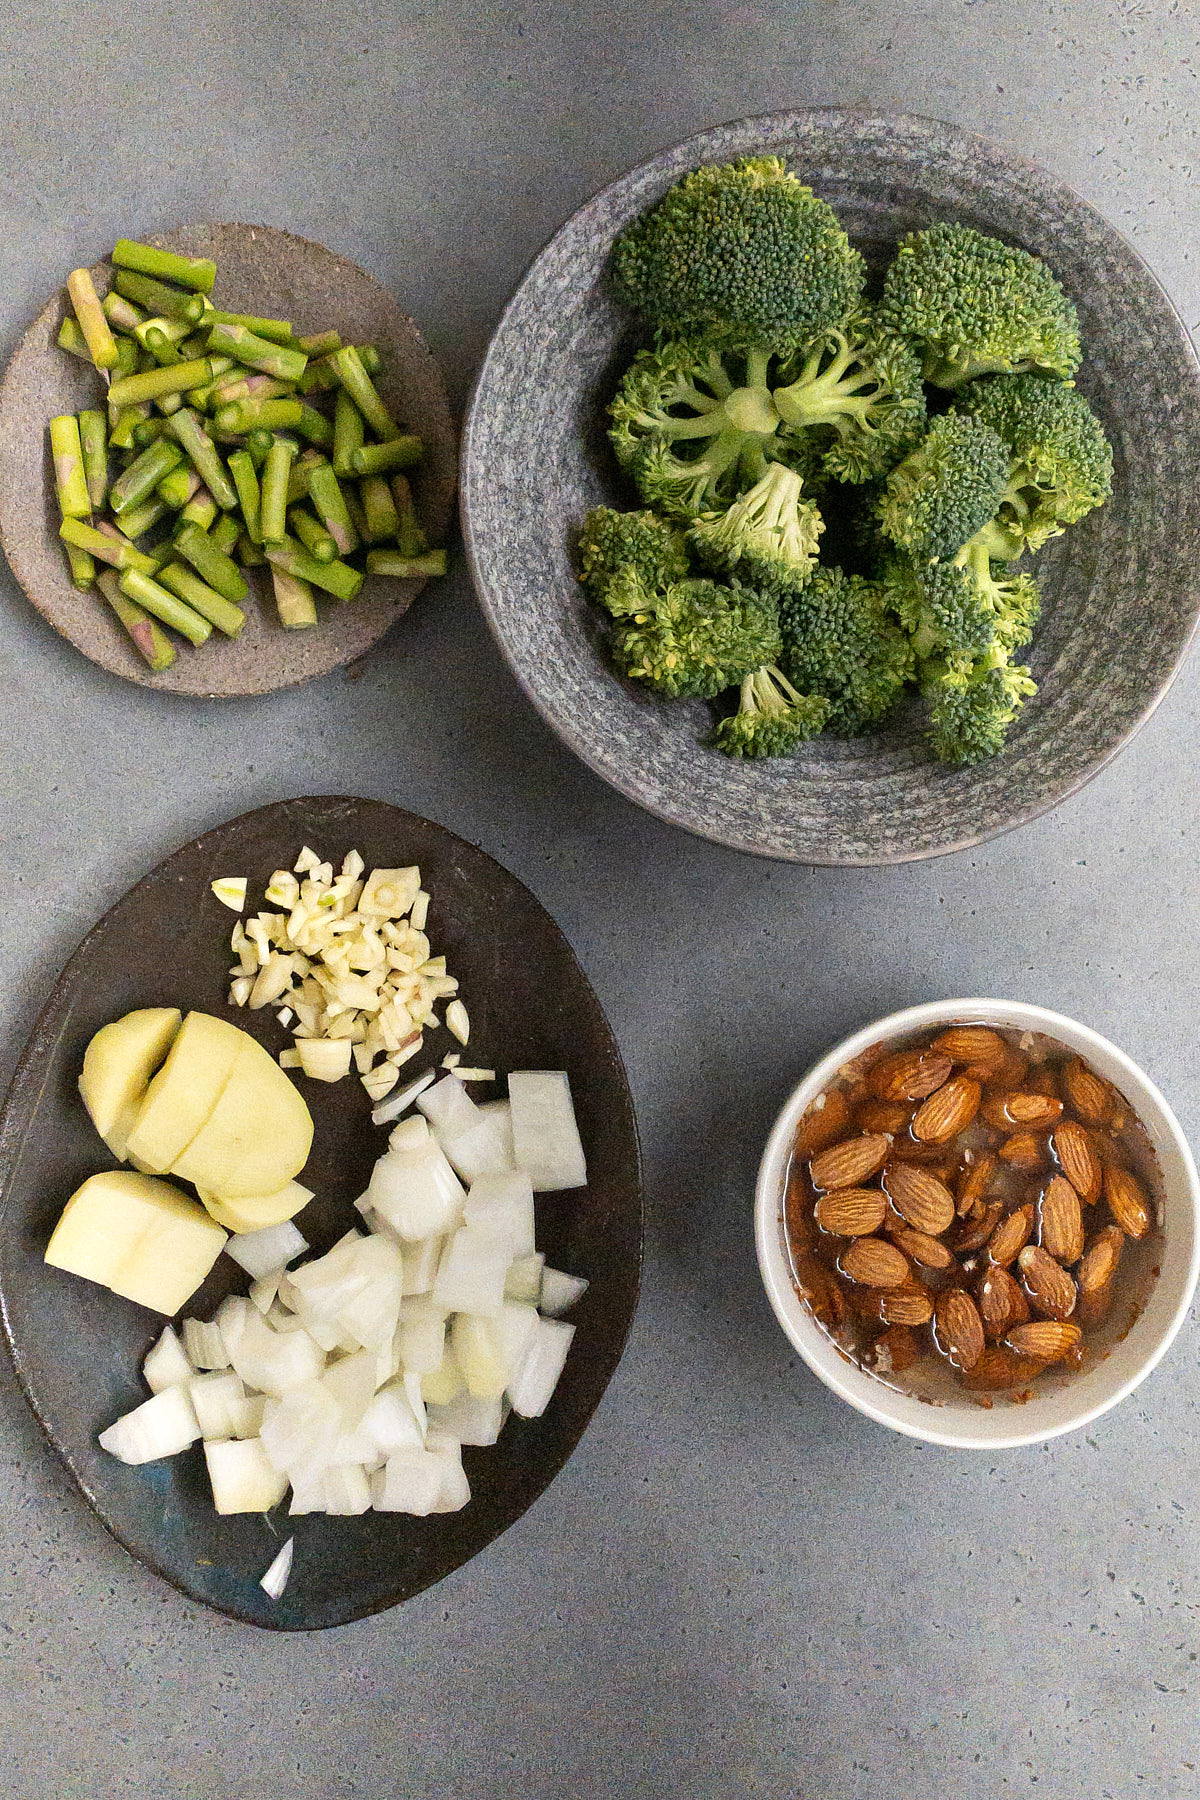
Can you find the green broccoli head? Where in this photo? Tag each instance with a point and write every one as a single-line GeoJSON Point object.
{"type": "Point", "coordinates": [771, 719]}
{"type": "Point", "coordinates": [694, 424]}
{"type": "Point", "coordinates": [858, 387]}
{"type": "Point", "coordinates": [1061, 460]}
{"type": "Point", "coordinates": [974, 306]}
{"type": "Point", "coordinates": [840, 642]}
{"type": "Point", "coordinates": [696, 638]}
{"type": "Point", "coordinates": [611, 541]}
{"type": "Point", "coordinates": [946, 490]}
{"type": "Point", "coordinates": [970, 710]}
{"type": "Point", "coordinates": [769, 536]}
{"type": "Point", "coordinates": [939, 606]}
{"type": "Point", "coordinates": [744, 249]}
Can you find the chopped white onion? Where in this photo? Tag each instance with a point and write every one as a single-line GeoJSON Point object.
{"type": "Point", "coordinates": [351, 1382]}
{"type": "Point", "coordinates": [205, 1344]}
{"type": "Point", "coordinates": [455, 1489]}
{"type": "Point", "coordinates": [545, 1134]}
{"type": "Point", "coordinates": [274, 1361]}
{"type": "Point", "coordinates": [265, 1291]}
{"type": "Point", "coordinates": [449, 1108]}
{"type": "Point", "coordinates": [242, 1477]}
{"type": "Point", "coordinates": [421, 1263]}
{"type": "Point", "coordinates": [167, 1364]}
{"type": "Point", "coordinates": [501, 1207]}
{"type": "Point", "coordinates": [417, 1191]}
{"type": "Point", "coordinates": [524, 1279]}
{"type": "Point", "coordinates": [410, 1482]}
{"type": "Point", "coordinates": [389, 1422]}
{"type": "Point", "coordinates": [300, 1429]}
{"type": "Point", "coordinates": [471, 1276]}
{"type": "Point", "coordinates": [261, 1252]}
{"type": "Point", "coordinates": [446, 1381]}
{"type": "Point", "coordinates": [412, 1391]}
{"type": "Point", "coordinates": [217, 1401]}
{"type": "Point", "coordinates": [468, 1419]}
{"type": "Point", "coordinates": [231, 1317]}
{"type": "Point", "coordinates": [276, 1577]}
{"type": "Point", "coordinates": [537, 1377]}
{"type": "Point", "coordinates": [346, 1491]}
{"type": "Point", "coordinates": [421, 1334]}
{"type": "Point", "coordinates": [560, 1292]}
{"type": "Point", "coordinates": [161, 1426]}
{"type": "Point", "coordinates": [396, 1104]}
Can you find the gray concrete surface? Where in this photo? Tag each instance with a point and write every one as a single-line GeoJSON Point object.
{"type": "Point", "coordinates": [737, 1587]}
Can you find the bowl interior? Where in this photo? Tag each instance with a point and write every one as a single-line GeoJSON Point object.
{"type": "Point", "coordinates": [1121, 593]}
{"type": "Point", "coordinates": [1054, 1407]}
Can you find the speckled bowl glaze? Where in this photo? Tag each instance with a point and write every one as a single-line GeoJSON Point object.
{"type": "Point", "coordinates": [1121, 590]}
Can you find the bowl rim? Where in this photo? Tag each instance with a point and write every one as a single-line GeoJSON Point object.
{"type": "Point", "coordinates": [578, 742]}
{"type": "Point", "coordinates": [857, 1386]}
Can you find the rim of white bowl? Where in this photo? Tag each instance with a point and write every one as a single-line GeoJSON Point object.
{"type": "Point", "coordinates": [967, 1426]}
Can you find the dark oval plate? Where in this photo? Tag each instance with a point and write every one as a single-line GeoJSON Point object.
{"type": "Point", "coordinates": [78, 1349]}
{"type": "Point", "coordinates": [276, 275]}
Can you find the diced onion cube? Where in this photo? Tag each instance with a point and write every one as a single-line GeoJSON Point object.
{"type": "Point", "coordinates": [242, 1478]}
{"type": "Point", "coordinates": [346, 1491]}
{"type": "Point", "coordinates": [167, 1364]}
{"type": "Point", "coordinates": [398, 1103]}
{"type": "Point", "coordinates": [161, 1426]}
{"type": "Point", "coordinates": [217, 1401]}
{"type": "Point", "coordinates": [205, 1344]}
{"type": "Point", "coordinates": [524, 1279]}
{"type": "Point", "coordinates": [276, 1577]}
{"type": "Point", "coordinates": [501, 1207]}
{"type": "Point", "coordinates": [536, 1379]}
{"type": "Point", "coordinates": [545, 1134]}
{"type": "Point", "coordinates": [472, 1272]}
{"type": "Point", "coordinates": [410, 1482]}
{"type": "Point", "coordinates": [262, 1252]}
{"type": "Point", "coordinates": [469, 1419]}
{"type": "Point", "coordinates": [560, 1292]}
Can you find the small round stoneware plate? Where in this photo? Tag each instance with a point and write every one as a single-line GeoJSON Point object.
{"type": "Point", "coordinates": [78, 1349]}
{"type": "Point", "coordinates": [274, 275]}
{"type": "Point", "coordinates": [1121, 589]}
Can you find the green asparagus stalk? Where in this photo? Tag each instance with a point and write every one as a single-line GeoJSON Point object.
{"type": "Point", "coordinates": [381, 459]}
{"type": "Point", "coordinates": [224, 533]}
{"type": "Point", "coordinates": [178, 487]}
{"type": "Point", "coordinates": [166, 606]}
{"type": "Point", "coordinates": [274, 491]}
{"type": "Point", "coordinates": [390, 562]}
{"type": "Point", "coordinates": [248, 553]}
{"type": "Point", "coordinates": [108, 546]}
{"type": "Point", "coordinates": [410, 539]}
{"type": "Point", "coordinates": [370, 358]}
{"type": "Point", "coordinates": [294, 600]}
{"type": "Point", "coordinates": [148, 637]}
{"type": "Point", "coordinates": [258, 443]}
{"type": "Point", "coordinates": [275, 331]}
{"type": "Point", "coordinates": [158, 298]}
{"type": "Point", "coordinates": [161, 553]}
{"type": "Point", "coordinates": [318, 343]}
{"type": "Point", "coordinates": [136, 521]}
{"type": "Point", "coordinates": [176, 331]}
{"type": "Point", "coordinates": [256, 352]}
{"type": "Point", "coordinates": [93, 440]}
{"type": "Point", "coordinates": [121, 313]}
{"type": "Point", "coordinates": [157, 384]}
{"type": "Point", "coordinates": [189, 432]}
{"type": "Point", "coordinates": [74, 501]}
{"type": "Point", "coordinates": [211, 563]}
{"type": "Point", "coordinates": [240, 386]}
{"type": "Point", "coordinates": [315, 427]}
{"type": "Point", "coordinates": [201, 396]}
{"type": "Point", "coordinates": [337, 578]}
{"type": "Point", "coordinates": [245, 480]}
{"type": "Point", "coordinates": [349, 431]}
{"type": "Point", "coordinates": [253, 414]}
{"type": "Point", "coordinates": [200, 510]}
{"type": "Point", "coordinates": [143, 475]}
{"type": "Point", "coordinates": [207, 602]}
{"type": "Point", "coordinates": [92, 322]}
{"type": "Point", "coordinates": [161, 348]}
{"type": "Point", "coordinates": [383, 521]}
{"type": "Point", "coordinates": [298, 479]}
{"type": "Point", "coordinates": [358, 384]}
{"type": "Point", "coordinates": [189, 271]}
{"type": "Point", "coordinates": [122, 434]}
{"type": "Point", "coordinates": [83, 567]}
{"type": "Point", "coordinates": [71, 338]}
{"type": "Point", "coordinates": [128, 361]}
{"type": "Point", "coordinates": [312, 534]}
{"type": "Point", "coordinates": [330, 504]}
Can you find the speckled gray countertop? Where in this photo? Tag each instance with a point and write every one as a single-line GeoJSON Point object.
{"type": "Point", "coordinates": [737, 1587]}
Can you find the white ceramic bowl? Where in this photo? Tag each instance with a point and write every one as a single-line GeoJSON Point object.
{"type": "Point", "coordinates": [1081, 1397]}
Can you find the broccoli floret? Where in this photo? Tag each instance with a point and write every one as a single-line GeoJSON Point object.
{"type": "Point", "coordinates": [1011, 597]}
{"type": "Point", "coordinates": [970, 710]}
{"type": "Point", "coordinates": [1061, 460]}
{"type": "Point", "coordinates": [947, 490]}
{"type": "Point", "coordinates": [974, 306]}
{"type": "Point", "coordinates": [695, 425]}
{"type": "Point", "coordinates": [769, 536]}
{"type": "Point", "coordinates": [744, 249]}
{"type": "Point", "coordinates": [696, 638]}
{"type": "Point", "coordinates": [939, 606]}
{"type": "Point", "coordinates": [771, 719]}
{"type": "Point", "coordinates": [610, 541]}
{"type": "Point", "coordinates": [840, 642]}
{"type": "Point", "coordinates": [861, 385]}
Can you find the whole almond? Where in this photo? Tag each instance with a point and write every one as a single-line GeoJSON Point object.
{"type": "Point", "coordinates": [891, 1116]}
{"type": "Point", "coordinates": [973, 1234]}
{"type": "Point", "coordinates": [1077, 1159]}
{"type": "Point", "coordinates": [930, 1252]}
{"type": "Point", "coordinates": [1031, 1111]}
{"type": "Point", "coordinates": [827, 1120]}
{"type": "Point", "coordinates": [820, 1288]}
{"type": "Point", "coordinates": [1000, 1368]}
{"type": "Point", "coordinates": [1100, 1260]}
{"type": "Point", "coordinates": [1086, 1094]}
{"type": "Point", "coordinates": [1046, 1339]}
{"type": "Point", "coordinates": [875, 1263]}
{"type": "Point", "coordinates": [1061, 1219]}
{"type": "Point", "coordinates": [1128, 1203]}
{"type": "Point", "coordinates": [919, 1197]}
{"type": "Point", "coordinates": [947, 1111]}
{"type": "Point", "coordinates": [975, 1180]}
{"type": "Point", "coordinates": [849, 1163]}
{"type": "Point", "coordinates": [1000, 1301]}
{"type": "Point", "coordinates": [958, 1328]}
{"type": "Point", "coordinates": [976, 1044]}
{"type": "Point", "coordinates": [906, 1306]}
{"type": "Point", "coordinates": [1023, 1151]}
{"type": "Point", "coordinates": [851, 1212]}
{"type": "Point", "coordinates": [1011, 1236]}
{"type": "Point", "coordinates": [908, 1074]}
{"type": "Point", "coordinates": [896, 1350]}
{"type": "Point", "coordinates": [1050, 1289]}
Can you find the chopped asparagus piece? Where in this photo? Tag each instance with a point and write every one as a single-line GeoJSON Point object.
{"type": "Point", "coordinates": [381, 459]}
{"type": "Point", "coordinates": [245, 480]}
{"type": "Point", "coordinates": [116, 550]}
{"type": "Point", "coordinates": [190, 433]}
{"type": "Point", "coordinates": [410, 539]}
{"type": "Point", "coordinates": [383, 521]}
{"type": "Point", "coordinates": [93, 439]}
{"type": "Point", "coordinates": [337, 578]}
{"type": "Point", "coordinates": [208, 603]}
{"type": "Point", "coordinates": [294, 600]}
{"type": "Point", "coordinates": [358, 384]}
{"type": "Point", "coordinates": [390, 562]}
{"type": "Point", "coordinates": [74, 501]}
{"type": "Point", "coordinates": [189, 271]}
{"type": "Point", "coordinates": [71, 338]}
{"type": "Point", "coordinates": [165, 606]}
{"type": "Point", "coordinates": [148, 637]}
{"type": "Point", "coordinates": [349, 432]}
{"type": "Point", "coordinates": [211, 563]}
{"type": "Point", "coordinates": [256, 352]}
{"type": "Point", "coordinates": [200, 510]}
{"type": "Point", "coordinates": [330, 503]}
{"type": "Point", "coordinates": [274, 490]}
{"type": "Point", "coordinates": [159, 384]}
{"type": "Point", "coordinates": [312, 534]}
{"type": "Point", "coordinates": [158, 298]}
{"type": "Point", "coordinates": [92, 322]}
{"type": "Point", "coordinates": [121, 313]}
{"type": "Point", "coordinates": [276, 331]}
{"type": "Point", "coordinates": [143, 475]}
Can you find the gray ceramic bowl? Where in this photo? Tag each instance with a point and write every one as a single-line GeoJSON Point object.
{"type": "Point", "coordinates": [1122, 592]}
